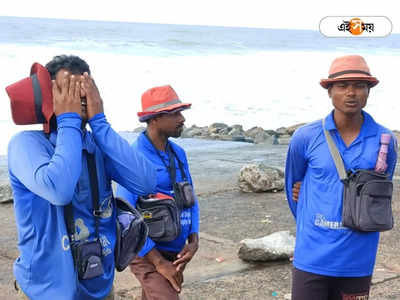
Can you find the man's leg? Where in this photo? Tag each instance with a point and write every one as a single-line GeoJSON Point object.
{"type": "Point", "coordinates": [350, 288]}
{"type": "Point", "coordinates": [154, 285]}
{"type": "Point", "coordinates": [307, 286]}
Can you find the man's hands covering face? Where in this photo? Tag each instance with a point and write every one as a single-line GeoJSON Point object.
{"type": "Point", "coordinates": [93, 99]}
{"type": "Point", "coordinates": [76, 93]}
{"type": "Point", "coordinates": [67, 94]}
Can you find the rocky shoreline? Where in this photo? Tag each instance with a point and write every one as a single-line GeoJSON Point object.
{"type": "Point", "coordinates": [236, 133]}
{"type": "Point", "coordinates": [213, 132]}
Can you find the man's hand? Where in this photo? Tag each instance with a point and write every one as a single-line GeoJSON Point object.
{"type": "Point", "coordinates": [66, 94]}
{"type": "Point", "coordinates": [166, 269]}
{"type": "Point", "coordinates": [296, 190]}
{"type": "Point", "coordinates": [187, 253]}
{"type": "Point", "coordinates": [93, 100]}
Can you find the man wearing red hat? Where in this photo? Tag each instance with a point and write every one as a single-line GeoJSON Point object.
{"type": "Point", "coordinates": [159, 266]}
{"type": "Point", "coordinates": [61, 181]}
{"type": "Point", "coordinates": [332, 261]}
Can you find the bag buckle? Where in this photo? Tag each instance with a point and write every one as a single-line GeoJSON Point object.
{"type": "Point", "coordinates": [97, 213]}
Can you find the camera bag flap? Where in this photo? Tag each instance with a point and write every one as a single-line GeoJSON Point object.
{"type": "Point", "coordinates": [132, 233]}
{"type": "Point", "coordinates": [162, 216]}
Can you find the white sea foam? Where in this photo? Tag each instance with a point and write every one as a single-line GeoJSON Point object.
{"type": "Point", "coordinates": [268, 89]}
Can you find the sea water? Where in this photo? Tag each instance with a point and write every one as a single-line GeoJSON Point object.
{"type": "Point", "coordinates": [248, 76]}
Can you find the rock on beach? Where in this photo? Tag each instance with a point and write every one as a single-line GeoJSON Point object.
{"type": "Point", "coordinates": [276, 246]}
{"type": "Point", "coordinates": [260, 178]}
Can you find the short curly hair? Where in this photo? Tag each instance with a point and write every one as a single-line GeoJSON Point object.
{"type": "Point", "coordinates": [72, 63]}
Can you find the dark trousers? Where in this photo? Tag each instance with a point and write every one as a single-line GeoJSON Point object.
{"type": "Point", "coordinates": [154, 285]}
{"type": "Point", "coordinates": [309, 286]}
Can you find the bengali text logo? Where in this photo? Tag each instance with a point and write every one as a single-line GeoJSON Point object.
{"type": "Point", "coordinates": [355, 26]}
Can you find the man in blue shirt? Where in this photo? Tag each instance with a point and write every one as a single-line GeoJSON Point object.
{"type": "Point", "coordinates": [49, 171]}
{"type": "Point", "coordinates": [330, 260]}
{"type": "Point", "coordinates": [159, 266]}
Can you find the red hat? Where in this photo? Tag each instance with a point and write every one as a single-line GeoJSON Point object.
{"type": "Point", "coordinates": [31, 98]}
{"type": "Point", "coordinates": [160, 99]}
{"type": "Point", "coordinates": [350, 67]}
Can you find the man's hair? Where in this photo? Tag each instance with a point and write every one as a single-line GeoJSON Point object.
{"type": "Point", "coordinates": [72, 63]}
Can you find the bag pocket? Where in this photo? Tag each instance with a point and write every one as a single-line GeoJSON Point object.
{"type": "Point", "coordinates": [156, 227]}
{"type": "Point", "coordinates": [375, 212]}
{"type": "Point", "coordinates": [184, 194]}
{"type": "Point", "coordinates": [162, 217]}
{"type": "Point", "coordinates": [88, 255]}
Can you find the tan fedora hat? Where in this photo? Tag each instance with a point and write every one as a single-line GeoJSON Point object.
{"type": "Point", "coordinates": [349, 67]}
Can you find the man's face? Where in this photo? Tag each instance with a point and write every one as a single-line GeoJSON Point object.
{"type": "Point", "coordinates": [349, 97]}
{"type": "Point", "coordinates": [170, 124]}
{"type": "Point", "coordinates": [59, 78]}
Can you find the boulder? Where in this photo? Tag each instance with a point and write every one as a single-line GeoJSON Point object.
{"type": "Point", "coordinates": [290, 130]}
{"type": "Point", "coordinates": [260, 178]}
{"type": "Point", "coordinates": [216, 127]}
{"type": "Point", "coordinates": [238, 127]}
{"type": "Point", "coordinates": [5, 193]}
{"type": "Point", "coordinates": [194, 131]}
{"type": "Point", "coordinates": [236, 131]}
{"type": "Point", "coordinates": [276, 246]}
{"type": "Point", "coordinates": [258, 135]}
{"type": "Point", "coordinates": [282, 130]}
{"type": "Point", "coordinates": [225, 131]}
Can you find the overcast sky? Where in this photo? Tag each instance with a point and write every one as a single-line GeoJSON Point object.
{"type": "Point", "coordinates": [248, 13]}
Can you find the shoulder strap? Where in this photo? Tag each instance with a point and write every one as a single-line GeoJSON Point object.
{"type": "Point", "coordinates": [171, 167]}
{"type": "Point", "coordinates": [69, 221]}
{"type": "Point", "coordinates": [335, 154]}
{"type": "Point", "coordinates": [94, 186]}
{"type": "Point", "coordinates": [172, 154]}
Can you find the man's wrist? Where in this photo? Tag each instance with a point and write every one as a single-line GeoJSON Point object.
{"type": "Point", "coordinates": [193, 239]}
{"type": "Point", "coordinates": [155, 257]}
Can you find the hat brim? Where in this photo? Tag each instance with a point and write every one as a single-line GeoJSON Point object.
{"type": "Point", "coordinates": [31, 98]}
{"type": "Point", "coordinates": [167, 109]}
{"type": "Point", "coordinates": [143, 117]}
{"type": "Point", "coordinates": [325, 83]}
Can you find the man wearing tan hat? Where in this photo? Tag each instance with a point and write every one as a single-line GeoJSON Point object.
{"type": "Point", "coordinates": [159, 266]}
{"type": "Point", "coordinates": [332, 261]}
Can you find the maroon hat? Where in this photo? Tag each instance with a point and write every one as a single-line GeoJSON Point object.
{"type": "Point", "coordinates": [31, 98]}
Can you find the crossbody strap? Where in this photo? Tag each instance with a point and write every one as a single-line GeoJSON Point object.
{"type": "Point", "coordinates": [94, 187]}
{"type": "Point", "coordinates": [335, 154]}
{"type": "Point", "coordinates": [171, 166]}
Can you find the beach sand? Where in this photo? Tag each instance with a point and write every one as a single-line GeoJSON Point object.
{"type": "Point", "coordinates": [228, 216]}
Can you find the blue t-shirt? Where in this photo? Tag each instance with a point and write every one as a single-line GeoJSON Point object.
{"type": "Point", "coordinates": [189, 216]}
{"type": "Point", "coordinates": [323, 245]}
{"type": "Point", "coordinates": [48, 173]}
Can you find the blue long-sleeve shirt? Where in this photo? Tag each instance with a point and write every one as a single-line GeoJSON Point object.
{"type": "Point", "coordinates": [189, 217]}
{"type": "Point", "coordinates": [323, 245]}
{"type": "Point", "coordinates": [47, 173]}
